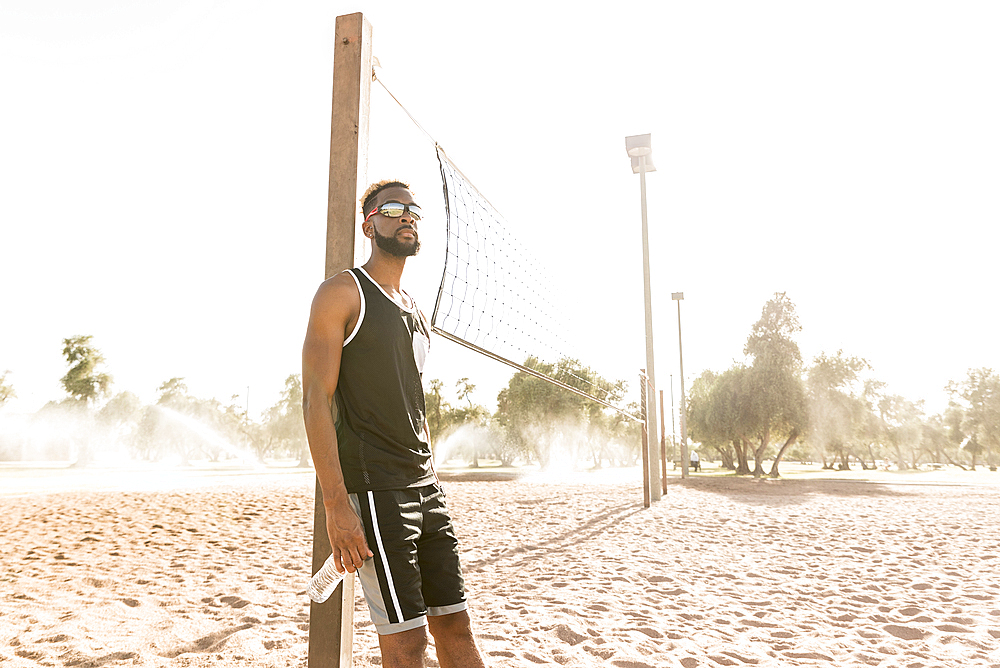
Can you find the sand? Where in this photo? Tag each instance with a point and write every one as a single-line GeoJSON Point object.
{"type": "Point", "coordinates": [722, 572]}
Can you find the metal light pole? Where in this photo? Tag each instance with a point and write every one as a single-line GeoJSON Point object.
{"type": "Point", "coordinates": [678, 296]}
{"type": "Point", "coordinates": [640, 150]}
{"type": "Point", "coordinates": [673, 425]}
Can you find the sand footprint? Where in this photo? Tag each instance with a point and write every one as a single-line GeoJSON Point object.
{"type": "Point", "coordinates": [234, 601]}
{"type": "Point", "coordinates": [904, 632]}
{"type": "Point", "coordinates": [568, 635]}
{"type": "Point", "coordinates": [808, 655]}
{"type": "Point", "coordinates": [631, 663]}
{"type": "Point", "coordinates": [207, 643]}
{"type": "Point", "coordinates": [84, 661]}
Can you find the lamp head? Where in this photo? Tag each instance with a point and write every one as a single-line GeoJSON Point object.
{"type": "Point", "coordinates": [639, 145]}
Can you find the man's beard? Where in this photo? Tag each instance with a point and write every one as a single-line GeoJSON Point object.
{"type": "Point", "coordinates": [394, 246]}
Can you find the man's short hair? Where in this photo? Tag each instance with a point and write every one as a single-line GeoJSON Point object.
{"type": "Point", "coordinates": [374, 189]}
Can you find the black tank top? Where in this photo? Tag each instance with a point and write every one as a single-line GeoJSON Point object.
{"type": "Point", "coordinates": [380, 399]}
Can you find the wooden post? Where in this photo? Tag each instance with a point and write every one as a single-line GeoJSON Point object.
{"type": "Point", "coordinates": [331, 624]}
{"type": "Point", "coordinates": [663, 445]}
{"type": "Point", "coordinates": [352, 85]}
{"type": "Point", "coordinates": [646, 496]}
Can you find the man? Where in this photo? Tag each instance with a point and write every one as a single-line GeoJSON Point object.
{"type": "Point", "coordinates": [364, 411]}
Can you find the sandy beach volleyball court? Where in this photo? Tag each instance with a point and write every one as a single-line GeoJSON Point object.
{"type": "Point", "coordinates": [722, 572]}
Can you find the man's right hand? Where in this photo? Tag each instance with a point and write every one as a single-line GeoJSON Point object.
{"type": "Point", "coordinates": [347, 537]}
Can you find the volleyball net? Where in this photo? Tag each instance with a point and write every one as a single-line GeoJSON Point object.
{"type": "Point", "coordinates": [495, 297]}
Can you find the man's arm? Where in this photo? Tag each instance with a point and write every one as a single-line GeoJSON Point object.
{"type": "Point", "coordinates": [337, 306]}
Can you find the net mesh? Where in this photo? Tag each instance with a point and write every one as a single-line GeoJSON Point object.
{"type": "Point", "coordinates": [494, 294]}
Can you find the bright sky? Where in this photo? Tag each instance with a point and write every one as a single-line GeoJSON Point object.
{"type": "Point", "coordinates": [163, 177]}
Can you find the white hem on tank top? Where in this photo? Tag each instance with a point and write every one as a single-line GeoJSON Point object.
{"type": "Point", "coordinates": [361, 315]}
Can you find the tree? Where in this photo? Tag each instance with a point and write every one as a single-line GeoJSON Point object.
{"type": "Point", "coordinates": [979, 397]}
{"type": "Point", "coordinates": [934, 439]}
{"type": "Point", "coordinates": [121, 408]}
{"type": "Point", "coordinates": [730, 409]}
{"type": "Point", "coordinates": [902, 426]}
{"type": "Point", "coordinates": [464, 429]}
{"type": "Point", "coordinates": [121, 417]}
{"type": "Point", "coordinates": [747, 409]}
{"type": "Point", "coordinates": [711, 419]}
{"type": "Point", "coordinates": [283, 422]}
{"type": "Point", "coordinates": [157, 433]}
{"type": "Point", "coordinates": [186, 425]}
{"type": "Point", "coordinates": [838, 408]}
{"type": "Point", "coordinates": [951, 422]}
{"type": "Point", "coordinates": [773, 382]}
{"type": "Point", "coordinates": [174, 394]}
{"type": "Point", "coordinates": [621, 438]}
{"type": "Point", "coordinates": [6, 389]}
{"type": "Point", "coordinates": [541, 418]}
{"type": "Point", "coordinates": [473, 414]}
{"type": "Point", "coordinates": [436, 408]}
{"type": "Point", "coordinates": [464, 388]}
{"type": "Point", "coordinates": [83, 382]}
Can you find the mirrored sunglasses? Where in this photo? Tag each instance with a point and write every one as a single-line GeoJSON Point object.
{"type": "Point", "coordinates": [396, 210]}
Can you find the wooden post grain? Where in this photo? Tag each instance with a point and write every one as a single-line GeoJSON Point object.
{"type": "Point", "coordinates": [331, 624]}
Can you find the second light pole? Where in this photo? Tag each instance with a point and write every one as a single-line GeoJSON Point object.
{"type": "Point", "coordinates": [677, 297]}
{"type": "Point", "coordinates": [640, 150]}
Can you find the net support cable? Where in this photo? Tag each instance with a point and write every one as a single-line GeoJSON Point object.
{"type": "Point", "coordinates": [492, 298]}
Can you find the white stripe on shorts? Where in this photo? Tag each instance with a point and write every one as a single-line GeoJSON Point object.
{"type": "Point", "coordinates": [385, 559]}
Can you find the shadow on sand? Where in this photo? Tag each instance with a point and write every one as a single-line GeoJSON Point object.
{"type": "Point", "coordinates": [783, 491]}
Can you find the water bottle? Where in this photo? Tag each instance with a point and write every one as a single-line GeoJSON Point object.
{"type": "Point", "coordinates": [325, 581]}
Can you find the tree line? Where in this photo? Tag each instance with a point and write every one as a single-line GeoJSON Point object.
{"type": "Point", "coordinates": [178, 425]}
{"type": "Point", "coordinates": [773, 406]}
{"type": "Point", "coordinates": [536, 422]}
{"type": "Point", "coordinates": [768, 408]}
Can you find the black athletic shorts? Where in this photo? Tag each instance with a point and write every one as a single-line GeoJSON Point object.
{"type": "Point", "coordinates": [415, 571]}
